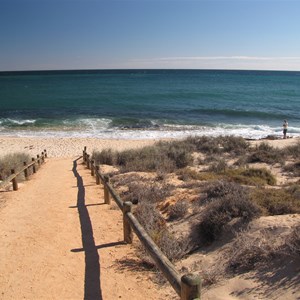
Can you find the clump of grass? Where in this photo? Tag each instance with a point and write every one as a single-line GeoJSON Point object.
{"type": "Point", "coordinates": [276, 202]}
{"type": "Point", "coordinates": [178, 210]}
{"type": "Point", "coordinates": [227, 201]}
{"type": "Point", "coordinates": [12, 161]}
{"type": "Point", "coordinates": [251, 176]}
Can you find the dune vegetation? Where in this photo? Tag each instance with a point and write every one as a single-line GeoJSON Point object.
{"type": "Point", "coordinates": [205, 193]}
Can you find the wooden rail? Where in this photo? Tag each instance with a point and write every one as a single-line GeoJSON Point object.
{"type": "Point", "coordinates": [188, 286]}
{"type": "Point", "coordinates": [35, 164]}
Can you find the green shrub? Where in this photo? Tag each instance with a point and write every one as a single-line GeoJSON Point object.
{"type": "Point", "coordinates": [276, 201]}
{"type": "Point", "coordinates": [259, 175]}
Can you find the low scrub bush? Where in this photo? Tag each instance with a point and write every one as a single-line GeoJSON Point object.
{"type": "Point", "coordinates": [252, 176]}
{"type": "Point", "coordinates": [178, 210]}
{"type": "Point", "coordinates": [234, 145]}
{"type": "Point", "coordinates": [155, 226]}
{"type": "Point", "coordinates": [276, 201]}
{"type": "Point", "coordinates": [247, 252]}
{"type": "Point", "coordinates": [293, 168]}
{"type": "Point", "coordinates": [105, 156]}
{"type": "Point", "coordinates": [163, 157]}
{"type": "Point", "coordinates": [12, 161]}
{"type": "Point", "coordinates": [265, 153]}
{"type": "Point", "coordinates": [187, 174]}
{"type": "Point", "coordinates": [227, 201]}
{"type": "Point", "coordinates": [219, 166]}
{"type": "Point", "coordinates": [150, 192]}
{"type": "Point", "coordinates": [293, 150]}
{"type": "Point", "coordinates": [293, 241]}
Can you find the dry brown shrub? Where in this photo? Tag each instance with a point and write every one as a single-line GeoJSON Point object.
{"type": "Point", "coordinates": [248, 251]}
{"type": "Point", "coordinates": [226, 201]}
{"type": "Point", "coordinates": [13, 161]}
{"type": "Point", "coordinates": [178, 210]}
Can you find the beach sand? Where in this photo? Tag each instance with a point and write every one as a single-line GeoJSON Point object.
{"type": "Point", "coordinates": [72, 147]}
{"type": "Point", "coordinates": [65, 147]}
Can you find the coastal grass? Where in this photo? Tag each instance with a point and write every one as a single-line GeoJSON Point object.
{"type": "Point", "coordinates": [12, 161]}
{"type": "Point", "coordinates": [276, 201]}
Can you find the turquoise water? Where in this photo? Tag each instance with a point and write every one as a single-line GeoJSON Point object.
{"type": "Point", "coordinates": [149, 103]}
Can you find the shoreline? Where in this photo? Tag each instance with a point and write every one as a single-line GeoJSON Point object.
{"type": "Point", "coordinates": [64, 147]}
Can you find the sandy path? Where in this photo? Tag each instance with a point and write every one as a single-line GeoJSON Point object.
{"type": "Point", "coordinates": [59, 241]}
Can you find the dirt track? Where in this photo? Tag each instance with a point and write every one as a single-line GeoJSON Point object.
{"type": "Point", "coordinates": [60, 241]}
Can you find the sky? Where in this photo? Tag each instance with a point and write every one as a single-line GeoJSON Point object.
{"type": "Point", "coordinates": [147, 34]}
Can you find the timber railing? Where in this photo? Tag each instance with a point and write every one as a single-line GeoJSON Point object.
{"type": "Point", "coordinates": [188, 286]}
{"type": "Point", "coordinates": [35, 164]}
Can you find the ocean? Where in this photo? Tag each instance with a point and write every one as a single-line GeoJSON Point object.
{"type": "Point", "coordinates": [149, 104]}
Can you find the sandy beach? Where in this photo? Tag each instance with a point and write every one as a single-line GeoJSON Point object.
{"type": "Point", "coordinates": [72, 147]}
{"type": "Point", "coordinates": [65, 147]}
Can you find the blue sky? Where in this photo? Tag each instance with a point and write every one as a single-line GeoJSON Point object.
{"type": "Point", "coordinates": [110, 34]}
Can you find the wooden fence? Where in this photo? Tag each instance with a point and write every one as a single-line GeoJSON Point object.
{"type": "Point", "coordinates": [35, 164]}
{"type": "Point", "coordinates": [188, 286]}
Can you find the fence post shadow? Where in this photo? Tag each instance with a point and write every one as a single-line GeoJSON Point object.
{"type": "Point", "coordinates": [92, 288]}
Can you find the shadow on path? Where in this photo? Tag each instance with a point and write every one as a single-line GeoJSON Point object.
{"type": "Point", "coordinates": [92, 289]}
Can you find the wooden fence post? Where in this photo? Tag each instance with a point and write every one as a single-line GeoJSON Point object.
{"type": "Point", "coordinates": [127, 230]}
{"type": "Point", "coordinates": [107, 199]}
{"type": "Point", "coordinates": [88, 161]}
{"type": "Point", "coordinates": [97, 176]}
{"type": "Point", "coordinates": [38, 160]}
{"type": "Point", "coordinates": [43, 157]}
{"type": "Point", "coordinates": [84, 154]}
{"type": "Point", "coordinates": [92, 168]}
{"type": "Point", "coordinates": [25, 170]}
{"type": "Point", "coordinates": [190, 287]}
{"type": "Point", "coordinates": [45, 152]}
{"type": "Point", "coordinates": [14, 181]}
{"type": "Point", "coordinates": [33, 166]}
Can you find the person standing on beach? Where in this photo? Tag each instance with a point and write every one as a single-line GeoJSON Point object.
{"type": "Point", "coordinates": [285, 126]}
